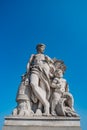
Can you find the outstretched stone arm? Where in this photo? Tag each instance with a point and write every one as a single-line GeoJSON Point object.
{"type": "Point", "coordinates": [29, 63]}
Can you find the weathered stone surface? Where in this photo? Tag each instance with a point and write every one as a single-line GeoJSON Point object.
{"type": "Point", "coordinates": [43, 98]}
{"type": "Point", "coordinates": [43, 90]}
{"type": "Point", "coordinates": [40, 128]}
{"type": "Point", "coordinates": [42, 123]}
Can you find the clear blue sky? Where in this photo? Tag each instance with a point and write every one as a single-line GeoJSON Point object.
{"type": "Point", "coordinates": [62, 26]}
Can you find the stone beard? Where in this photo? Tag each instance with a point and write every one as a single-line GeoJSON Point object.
{"type": "Point", "coordinates": [43, 91]}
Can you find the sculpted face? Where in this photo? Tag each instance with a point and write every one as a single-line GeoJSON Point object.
{"type": "Point", "coordinates": [40, 48]}
{"type": "Point", "coordinates": [59, 73]}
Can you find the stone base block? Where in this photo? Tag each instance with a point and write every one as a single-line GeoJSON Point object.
{"type": "Point", "coordinates": [40, 128]}
{"type": "Point", "coordinates": [42, 123]}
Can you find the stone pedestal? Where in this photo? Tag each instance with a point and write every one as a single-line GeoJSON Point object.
{"type": "Point", "coordinates": [42, 123]}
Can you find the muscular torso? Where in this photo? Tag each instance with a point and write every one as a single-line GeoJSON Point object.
{"type": "Point", "coordinates": [40, 60]}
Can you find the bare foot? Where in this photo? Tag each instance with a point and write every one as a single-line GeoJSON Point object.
{"type": "Point", "coordinates": [53, 113]}
{"type": "Point", "coordinates": [38, 112]}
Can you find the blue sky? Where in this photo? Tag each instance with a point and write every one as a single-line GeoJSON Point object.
{"type": "Point", "coordinates": [62, 26]}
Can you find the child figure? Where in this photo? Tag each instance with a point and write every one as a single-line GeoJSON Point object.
{"type": "Point", "coordinates": [60, 86]}
{"type": "Point", "coordinates": [62, 100]}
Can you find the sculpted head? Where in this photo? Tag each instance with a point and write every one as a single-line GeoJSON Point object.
{"type": "Point", "coordinates": [59, 73]}
{"type": "Point", "coordinates": [40, 48]}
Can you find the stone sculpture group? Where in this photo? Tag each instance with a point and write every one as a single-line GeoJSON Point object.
{"type": "Point", "coordinates": [43, 91]}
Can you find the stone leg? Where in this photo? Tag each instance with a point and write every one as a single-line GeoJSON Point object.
{"type": "Point", "coordinates": [39, 92]}
{"type": "Point", "coordinates": [55, 100]}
